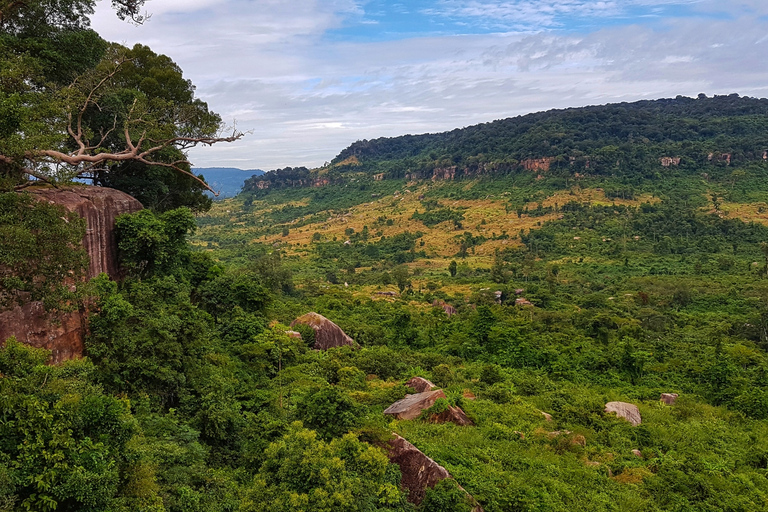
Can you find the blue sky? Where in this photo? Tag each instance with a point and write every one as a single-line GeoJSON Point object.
{"type": "Point", "coordinates": [306, 78]}
{"type": "Point", "coordinates": [381, 20]}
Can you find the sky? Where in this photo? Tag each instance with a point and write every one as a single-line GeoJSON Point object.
{"type": "Point", "coordinates": [306, 78]}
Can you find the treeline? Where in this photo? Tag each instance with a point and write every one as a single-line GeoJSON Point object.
{"type": "Point", "coordinates": [616, 139]}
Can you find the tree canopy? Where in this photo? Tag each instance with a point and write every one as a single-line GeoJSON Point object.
{"type": "Point", "coordinates": [74, 105]}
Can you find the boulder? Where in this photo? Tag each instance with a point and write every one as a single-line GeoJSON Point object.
{"type": "Point", "coordinates": [419, 471]}
{"type": "Point", "coordinates": [669, 398]}
{"type": "Point", "coordinates": [420, 384]}
{"type": "Point", "coordinates": [410, 407]}
{"type": "Point", "coordinates": [629, 412]}
{"type": "Point", "coordinates": [99, 206]}
{"type": "Point", "coordinates": [293, 334]}
{"type": "Point", "coordinates": [452, 415]}
{"type": "Point", "coordinates": [547, 416]}
{"type": "Point", "coordinates": [327, 334]}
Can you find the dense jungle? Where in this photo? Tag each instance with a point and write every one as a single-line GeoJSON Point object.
{"type": "Point", "coordinates": [534, 269]}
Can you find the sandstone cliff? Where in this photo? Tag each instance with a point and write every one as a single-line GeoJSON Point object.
{"type": "Point", "coordinates": [63, 333]}
{"type": "Point", "coordinates": [99, 207]}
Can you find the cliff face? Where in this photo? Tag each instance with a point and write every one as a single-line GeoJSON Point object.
{"type": "Point", "coordinates": [63, 333]}
{"type": "Point", "coordinates": [99, 207]}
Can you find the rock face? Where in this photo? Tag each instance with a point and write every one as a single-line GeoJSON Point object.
{"type": "Point", "coordinates": [327, 334]}
{"type": "Point", "coordinates": [410, 407]}
{"type": "Point", "coordinates": [420, 384]}
{"type": "Point", "coordinates": [99, 207]}
{"type": "Point", "coordinates": [629, 412]}
{"type": "Point", "coordinates": [449, 310]}
{"type": "Point", "coordinates": [62, 334]}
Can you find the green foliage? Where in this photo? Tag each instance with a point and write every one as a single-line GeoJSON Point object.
{"type": "Point", "coordinates": [302, 473]}
{"type": "Point", "coordinates": [65, 445]}
{"type": "Point", "coordinates": [445, 496]}
{"type": "Point", "coordinates": [329, 412]}
{"type": "Point", "coordinates": [152, 243]}
{"type": "Point", "coordinates": [40, 251]}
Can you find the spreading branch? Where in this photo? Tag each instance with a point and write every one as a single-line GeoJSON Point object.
{"type": "Point", "coordinates": [139, 131]}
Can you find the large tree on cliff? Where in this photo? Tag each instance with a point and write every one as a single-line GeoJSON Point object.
{"type": "Point", "coordinates": [73, 105]}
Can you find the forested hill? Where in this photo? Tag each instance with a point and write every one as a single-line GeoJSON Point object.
{"type": "Point", "coordinates": [624, 139]}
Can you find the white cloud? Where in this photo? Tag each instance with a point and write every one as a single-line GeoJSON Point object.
{"type": "Point", "coordinates": [304, 97]}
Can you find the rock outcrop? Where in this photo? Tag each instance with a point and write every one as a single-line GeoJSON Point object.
{"type": "Point", "coordinates": [327, 334]}
{"type": "Point", "coordinates": [410, 407]}
{"type": "Point", "coordinates": [629, 412]}
{"type": "Point", "coordinates": [452, 415]}
{"type": "Point", "coordinates": [536, 164]}
{"type": "Point", "coordinates": [62, 333]}
{"type": "Point", "coordinates": [419, 471]}
{"type": "Point", "coordinates": [99, 207]}
{"type": "Point", "coordinates": [669, 398]}
{"type": "Point", "coordinates": [420, 384]}
{"type": "Point", "coordinates": [449, 310]}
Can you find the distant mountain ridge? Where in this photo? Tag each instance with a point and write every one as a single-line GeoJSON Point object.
{"type": "Point", "coordinates": [227, 181]}
{"type": "Point", "coordinates": [631, 140]}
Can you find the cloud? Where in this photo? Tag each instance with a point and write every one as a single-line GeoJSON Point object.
{"type": "Point", "coordinates": [304, 96]}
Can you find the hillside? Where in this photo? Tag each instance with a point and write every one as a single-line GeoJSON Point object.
{"type": "Point", "coordinates": [537, 301]}
{"type": "Point", "coordinates": [564, 281]}
{"type": "Point", "coordinates": [631, 141]}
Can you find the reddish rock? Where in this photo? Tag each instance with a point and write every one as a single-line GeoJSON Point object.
{"type": "Point", "coordinates": [410, 407]}
{"type": "Point", "coordinates": [99, 206]}
{"type": "Point", "coordinates": [293, 334]}
{"type": "Point", "coordinates": [629, 412]}
{"type": "Point", "coordinates": [536, 164]}
{"type": "Point", "coordinates": [669, 398]}
{"type": "Point", "coordinates": [419, 471]}
{"type": "Point", "coordinates": [468, 395]}
{"type": "Point", "coordinates": [62, 333]}
{"type": "Point", "coordinates": [452, 415]}
{"type": "Point", "coordinates": [327, 334]}
{"type": "Point", "coordinates": [420, 384]}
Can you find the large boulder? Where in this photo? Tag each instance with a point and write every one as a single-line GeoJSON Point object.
{"type": "Point", "coordinates": [669, 398]}
{"type": "Point", "coordinates": [420, 384]}
{"type": "Point", "coordinates": [327, 334]}
{"type": "Point", "coordinates": [99, 206]}
{"type": "Point", "coordinates": [629, 412]}
{"type": "Point", "coordinates": [410, 407]}
{"type": "Point", "coordinates": [419, 471]}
